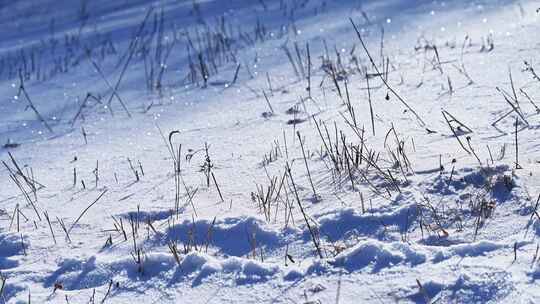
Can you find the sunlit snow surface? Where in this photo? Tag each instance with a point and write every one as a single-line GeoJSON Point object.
{"type": "Point", "coordinates": [415, 215]}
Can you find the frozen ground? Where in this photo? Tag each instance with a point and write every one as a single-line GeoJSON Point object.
{"type": "Point", "coordinates": [409, 184]}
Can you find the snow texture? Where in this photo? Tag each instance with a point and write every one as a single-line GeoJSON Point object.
{"type": "Point", "coordinates": [241, 151]}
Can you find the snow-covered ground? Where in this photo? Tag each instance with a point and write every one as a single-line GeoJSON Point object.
{"type": "Point", "coordinates": [239, 151]}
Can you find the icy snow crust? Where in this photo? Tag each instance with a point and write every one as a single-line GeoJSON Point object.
{"type": "Point", "coordinates": [415, 208]}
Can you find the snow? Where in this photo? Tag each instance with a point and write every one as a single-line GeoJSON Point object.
{"type": "Point", "coordinates": [377, 255]}
{"type": "Point", "coordinates": [425, 210]}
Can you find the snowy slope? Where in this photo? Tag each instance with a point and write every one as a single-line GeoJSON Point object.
{"type": "Point", "coordinates": [405, 185]}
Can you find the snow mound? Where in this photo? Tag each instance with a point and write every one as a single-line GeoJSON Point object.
{"type": "Point", "coordinates": [194, 267]}
{"type": "Point", "coordinates": [244, 271]}
{"type": "Point", "coordinates": [231, 236]}
{"type": "Point", "coordinates": [340, 223]}
{"type": "Point", "coordinates": [497, 182]}
{"type": "Point", "coordinates": [467, 250]}
{"type": "Point", "coordinates": [10, 245]}
{"type": "Point", "coordinates": [376, 256]}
